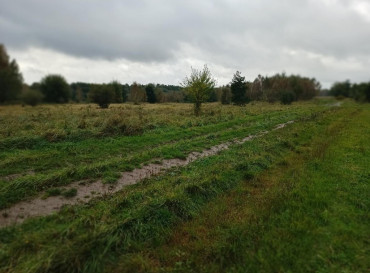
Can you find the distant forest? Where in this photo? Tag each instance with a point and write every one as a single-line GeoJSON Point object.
{"type": "Point", "coordinates": [163, 92]}
{"type": "Point", "coordinates": [262, 88]}
{"type": "Point", "coordinates": [55, 89]}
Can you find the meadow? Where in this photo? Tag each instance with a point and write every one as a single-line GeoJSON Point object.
{"type": "Point", "coordinates": [293, 200]}
{"type": "Point", "coordinates": [46, 146]}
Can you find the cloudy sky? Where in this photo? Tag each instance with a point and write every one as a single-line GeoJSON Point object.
{"type": "Point", "coordinates": [160, 40]}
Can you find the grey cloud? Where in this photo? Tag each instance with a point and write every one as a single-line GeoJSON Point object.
{"type": "Point", "coordinates": [108, 30]}
{"type": "Point", "coordinates": [229, 33]}
{"type": "Point", "coordinates": [152, 30]}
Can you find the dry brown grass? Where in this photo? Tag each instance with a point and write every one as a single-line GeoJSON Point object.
{"type": "Point", "coordinates": [56, 121]}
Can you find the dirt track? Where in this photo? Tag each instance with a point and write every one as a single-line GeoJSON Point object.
{"type": "Point", "coordinates": [86, 191]}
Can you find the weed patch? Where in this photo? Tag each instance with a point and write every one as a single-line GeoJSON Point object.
{"type": "Point", "coordinates": [69, 193]}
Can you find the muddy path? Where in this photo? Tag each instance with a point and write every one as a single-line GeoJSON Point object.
{"type": "Point", "coordinates": [86, 191]}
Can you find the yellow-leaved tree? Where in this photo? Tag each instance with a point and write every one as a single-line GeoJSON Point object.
{"type": "Point", "coordinates": [199, 86]}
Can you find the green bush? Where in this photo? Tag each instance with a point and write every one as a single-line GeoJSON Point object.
{"type": "Point", "coordinates": [32, 97]}
{"type": "Point", "coordinates": [55, 89]}
{"type": "Point", "coordinates": [103, 95]}
{"type": "Point", "coordinates": [287, 97]}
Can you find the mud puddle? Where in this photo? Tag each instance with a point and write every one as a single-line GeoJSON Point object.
{"type": "Point", "coordinates": [86, 191]}
{"type": "Point", "coordinates": [335, 104]}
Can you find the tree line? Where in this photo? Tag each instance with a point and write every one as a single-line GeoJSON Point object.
{"type": "Point", "coordinates": [198, 87]}
{"type": "Point", "coordinates": [358, 91]}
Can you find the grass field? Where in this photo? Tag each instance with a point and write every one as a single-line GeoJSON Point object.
{"type": "Point", "coordinates": [293, 200]}
{"type": "Point", "coordinates": [44, 147]}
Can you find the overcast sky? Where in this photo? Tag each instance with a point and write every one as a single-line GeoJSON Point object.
{"type": "Point", "coordinates": [160, 40]}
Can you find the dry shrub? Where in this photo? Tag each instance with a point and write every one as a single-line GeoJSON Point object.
{"type": "Point", "coordinates": [82, 124]}
{"type": "Point", "coordinates": [118, 125]}
{"type": "Point", "coordinates": [53, 135]}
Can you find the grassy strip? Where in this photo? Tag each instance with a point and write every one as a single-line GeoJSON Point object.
{"type": "Point", "coordinates": [27, 127]}
{"type": "Point", "coordinates": [30, 185]}
{"type": "Point", "coordinates": [53, 155]}
{"type": "Point", "coordinates": [309, 214]}
{"type": "Point", "coordinates": [86, 238]}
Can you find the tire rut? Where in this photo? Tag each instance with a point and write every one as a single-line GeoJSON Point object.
{"type": "Point", "coordinates": [87, 191]}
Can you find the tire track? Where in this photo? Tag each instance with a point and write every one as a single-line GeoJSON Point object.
{"type": "Point", "coordinates": [87, 191]}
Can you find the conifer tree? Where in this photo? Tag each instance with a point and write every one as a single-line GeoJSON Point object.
{"type": "Point", "coordinates": [11, 79]}
{"type": "Point", "coordinates": [150, 95]}
{"type": "Point", "coordinates": [238, 88]}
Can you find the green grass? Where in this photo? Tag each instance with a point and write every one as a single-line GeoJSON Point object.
{"type": "Point", "coordinates": [310, 213]}
{"type": "Point", "coordinates": [228, 211]}
{"type": "Point", "coordinates": [53, 192]}
{"type": "Point", "coordinates": [69, 193]}
{"type": "Point", "coordinates": [52, 164]}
